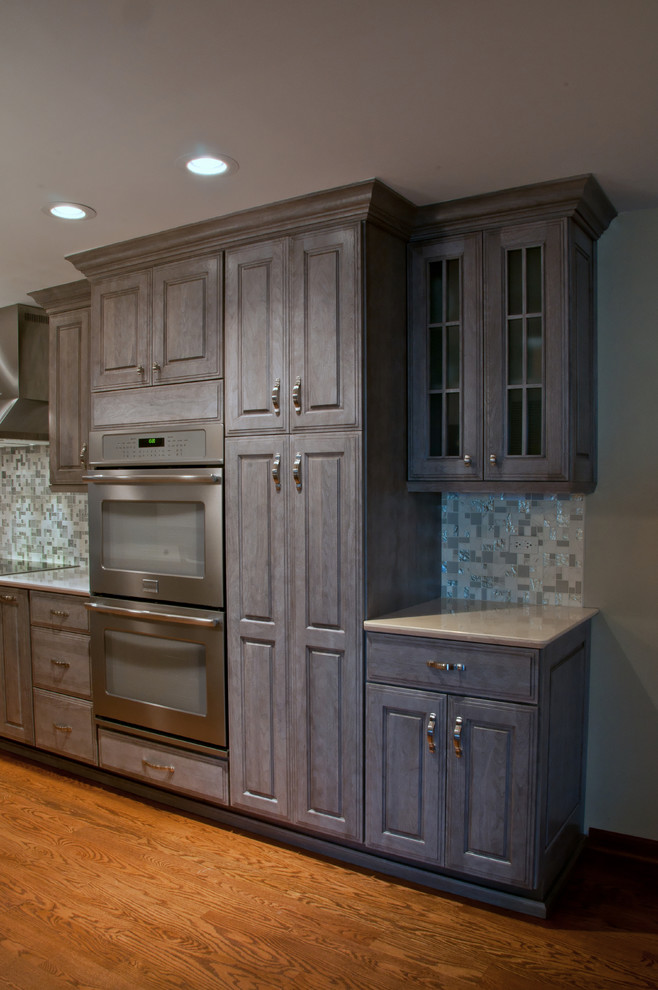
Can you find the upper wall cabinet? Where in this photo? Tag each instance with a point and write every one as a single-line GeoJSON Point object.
{"type": "Point", "coordinates": [157, 326]}
{"type": "Point", "coordinates": [292, 347]}
{"type": "Point", "coordinates": [502, 340]}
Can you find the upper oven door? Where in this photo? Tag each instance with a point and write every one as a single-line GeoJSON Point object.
{"type": "Point", "coordinates": [157, 534]}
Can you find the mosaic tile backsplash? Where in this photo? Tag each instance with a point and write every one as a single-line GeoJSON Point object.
{"type": "Point", "coordinates": [36, 522]}
{"type": "Point", "coordinates": [506, 548]}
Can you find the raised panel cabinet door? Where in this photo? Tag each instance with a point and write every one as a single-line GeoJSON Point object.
{"type": "Point", "coordinates": [445, 359]}
{"type": "Point", "coordinates": [256, 342]}
{"type": "Point", "coordinates": [325, 329]}
{"type": "Point", "coordinates": [526, 353]}
{"type": "Point", "coordinates": [490, 796]}
{"type": "Point", "coordinates": [187, 335]}
{"type": "Point", "coordinates": [16, 714]}
{"type": "Point", "coordinates": [326, 676]}
{"type": "Point", "coordinates": [120, 331]}
{"type": "Point", "coordinates": [256, 617]}
{"type": "Point", "coordinates": [405, 772]}
{"type": "Point", "coordinates": [69, 397]}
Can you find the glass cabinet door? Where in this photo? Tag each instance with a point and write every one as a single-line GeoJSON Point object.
{"type": "Point", "coordinates": [525, 326]}
{"type": "Point", "coordinates": [444, 342]}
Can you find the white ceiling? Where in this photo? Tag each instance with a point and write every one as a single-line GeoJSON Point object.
{"type": "Point", "coordinates": [438, 98]}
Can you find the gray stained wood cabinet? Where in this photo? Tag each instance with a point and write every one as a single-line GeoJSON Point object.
{"type": "Point", "coordinates": [292, 333]}
{"type": "Point", "coordinates": [475, 756]}
{"type": "Point", "coordinates": [68, 307]}
{"type": "Point", "coordinates": [502, 341]}
{"type": "Point", "coordinates": [16, 716]}
{"type": "Point", "coordinates": [157, 326]}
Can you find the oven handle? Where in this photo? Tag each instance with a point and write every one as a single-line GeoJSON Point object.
{"type": "Point", "coordinates": [152, 479]}
{"type": "Point", "coordinates": [182, 620]}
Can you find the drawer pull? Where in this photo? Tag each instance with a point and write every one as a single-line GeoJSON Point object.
{"type": "Point", "coordinates": [457, 736]}
{"type": "Point", "coordinates": [59, 613]}
{"type": "Point", "coordinates": [276, 396]}
{"type": "Point", "coordinates": [59, 663]}
{"type": "Point", "coordinates": [62, 728]}
{"type": "Point", "coordinates": [435, 665]}
{"type": "Point", "coordinates": [276, 472]}
{"type": "Point", "coordinates": [8, 598]}
{"type": "Point", "coordinates": [157, 766]}
{"type": "Point", "coordinates": [431, 729]}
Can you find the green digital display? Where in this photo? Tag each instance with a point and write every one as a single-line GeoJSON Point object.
{"type": "Point", "coordinates": [150, 442]}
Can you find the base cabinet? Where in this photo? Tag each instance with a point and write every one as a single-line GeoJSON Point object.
{"type": "Point", "coordinates": [16, 718]}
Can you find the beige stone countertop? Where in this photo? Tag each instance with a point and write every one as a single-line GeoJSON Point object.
{"type": "Point", "coordinates": [483, 622]}
{"type": "Point", "coordinates": [73, 580]}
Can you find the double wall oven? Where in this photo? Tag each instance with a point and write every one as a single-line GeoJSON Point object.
{"type": "Point", "coordinates": [156, 565]}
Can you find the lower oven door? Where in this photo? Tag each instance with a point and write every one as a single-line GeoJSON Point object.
{"type": "Point", "coordinates": [159, 667]}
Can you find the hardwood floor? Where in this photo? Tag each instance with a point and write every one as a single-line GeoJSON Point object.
{"type": "Point", "coordinates": [102, 890]}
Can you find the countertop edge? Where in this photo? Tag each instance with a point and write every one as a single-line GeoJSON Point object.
{"type": "Point", "coordinates": [76, 581]}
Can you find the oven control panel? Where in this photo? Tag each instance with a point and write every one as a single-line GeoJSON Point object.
{"type": "Point", "coordinates": [198, 445]}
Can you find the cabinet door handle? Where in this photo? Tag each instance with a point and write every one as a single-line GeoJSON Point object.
{"type": "Point", "coordinates": [59, 613]}
{"type": "Point", "coordinates": [297, 472]}
{"type": "Point", "coordinates": [59, 663]}
{"type": "Point", "coordinates": [140, 370]}
{"type": "Point", "coordinates": [468, 460]}
{"type": "Point", "coordinates": [276, 472]}
{"type": "Point", "coordinates": [297, 395]}
{"type": "Point", "coordinates": [276, 396]}
{"type": "Point", "coordinates": [431, 730]}
{"type": "Point", "coordinates": [156, 368]}
{"type": "Point", "coordinates": [62, 728]}
{"type": "Point", "coordinates": [158, 766]}
{"type": "Point", "coordinates": [435, 665]}
{"type": "Point", "coordinates": [492, 459]}
{"type": "Point", "coordinates": [10, 599]}
{"type": "Point", "coordinates": [457, 736]}
{"type": "Point", "coordinates": [83, 454]}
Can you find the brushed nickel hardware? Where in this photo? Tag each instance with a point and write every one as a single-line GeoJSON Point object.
{"type": "Point", "coordinates": [62, 728]}
{"type": "Point", "coordinates": [457, 736]}
{"type": "Point", "coordinates": [297, 395]}
{"type": "Point", "coordinates": [140, 369]}
{"type": "Point", "coordinates": [183, 620]}
{"type": "Point", "coordinates": [156, 368]}
{"type": "Point", "coordinates": [431, 729]}
{"type": "Point", "coordinates": [445, 666]}
{"type": "Point", "coordinates": [59, 663]}
{"type": "Point", "coordinates": [8, 598]}
{"type": "Point", "coordinates": [276, 472]}
{"type": "Point", "coordinates": [276, 396]}
{"type": "Point", "coordinates": [152, 479]}
{"type": "Point", "coordinates": [59, 613]}
{"type": "Point", "coordinates": [157, 766]}
{"type": "Point", "coordinates": [492, 459]}
{"type": "Point", "coordinates": [297, 472]}
{"type": "Point", "coordinates": [468, 460]}
{"type": "Point", "coordinates": [83, 453]}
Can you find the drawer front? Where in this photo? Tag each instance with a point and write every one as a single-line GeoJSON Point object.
{"type": "Point", "coordinates": [60, 661]}
{"type": "Point", "coordinates": [457, 668]}
{"type": "Point", "coordinates": [64, 725]}
{"type": "Point", "coordinates": [59, 611]}
{"type": "Point", "coordinates": [164, 766]}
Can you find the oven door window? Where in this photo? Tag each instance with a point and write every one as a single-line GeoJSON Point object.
{"type": "Point", "coordinates": [156, 536]}
{"type": "Point", "coordinates": [169, 673]}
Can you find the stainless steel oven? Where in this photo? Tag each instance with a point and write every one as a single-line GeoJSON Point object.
{"type": "Point", "coordinates": [156, 566]}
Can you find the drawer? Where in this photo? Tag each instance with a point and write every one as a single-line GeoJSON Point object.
{"type": "Point", "coordinates": [165, 766]}
{"type": "Point", "coordinates": [60, 661]}
{"type": "Point", "coordinates": [64, 725]}
{"type": "Point", "coordinates": [468, 668]}
{"type": "Point", "coordinates": [59, 611]}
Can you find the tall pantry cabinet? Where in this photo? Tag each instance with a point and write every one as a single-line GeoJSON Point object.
{"type": "Point", "coordinates": [320, 531]}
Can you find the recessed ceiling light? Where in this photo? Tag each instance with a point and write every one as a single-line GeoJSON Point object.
{"type": "Point", "coordinates": [210, 165]}
{"type": "Point", "coordinates": [70, 211]}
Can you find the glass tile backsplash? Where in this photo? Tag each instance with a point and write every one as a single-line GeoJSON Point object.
{"type": "Point", "coordinates": [522, 549]}
{"type": "Point", "coordinates": [36, 522]}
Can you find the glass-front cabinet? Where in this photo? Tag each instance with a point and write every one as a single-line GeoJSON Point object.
{"type": "Point", "coordinates": [502, 344]}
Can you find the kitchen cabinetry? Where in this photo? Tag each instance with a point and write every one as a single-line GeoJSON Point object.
{"type": "Point", "coordinates": [61, 676]}
{"type": "Point", "coordinates": [16, 718]}
{"type": "Point", "coordinates": [475, 755]}
{"type": "Point", "coordinates": [502, 340]}
{"type": "Point", "coordinates": [292, 333]}
{"type": "Point", "coordinates": [293, 621]}
{"type": "Point", "coordinates": [68, 307]}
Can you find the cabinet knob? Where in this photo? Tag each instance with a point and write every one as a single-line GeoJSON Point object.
{"type": "Point", "coordinates": [457, 736]}
{"type": "Point", "coordinates": [492, 459]}
{"type": "Point", "coordinates": [297, 395]}
{"type": "Point", "coordinates": [276, 395]}
{"type": "Point", "coordinates": [431, 729]}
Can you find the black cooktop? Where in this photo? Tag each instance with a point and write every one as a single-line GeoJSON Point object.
{"type": "Point", "coordinates": [9, 566]}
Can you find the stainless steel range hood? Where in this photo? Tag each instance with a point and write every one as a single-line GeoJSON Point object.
{"type": "Point", "coordinates": [23, 375]}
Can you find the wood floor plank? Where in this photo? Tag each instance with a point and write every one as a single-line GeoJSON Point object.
{"type": "Point", "coordinates": [103, 891]}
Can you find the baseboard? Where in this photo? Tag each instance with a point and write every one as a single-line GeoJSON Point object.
{"type": "Point", "coordinates": [619, 844]}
